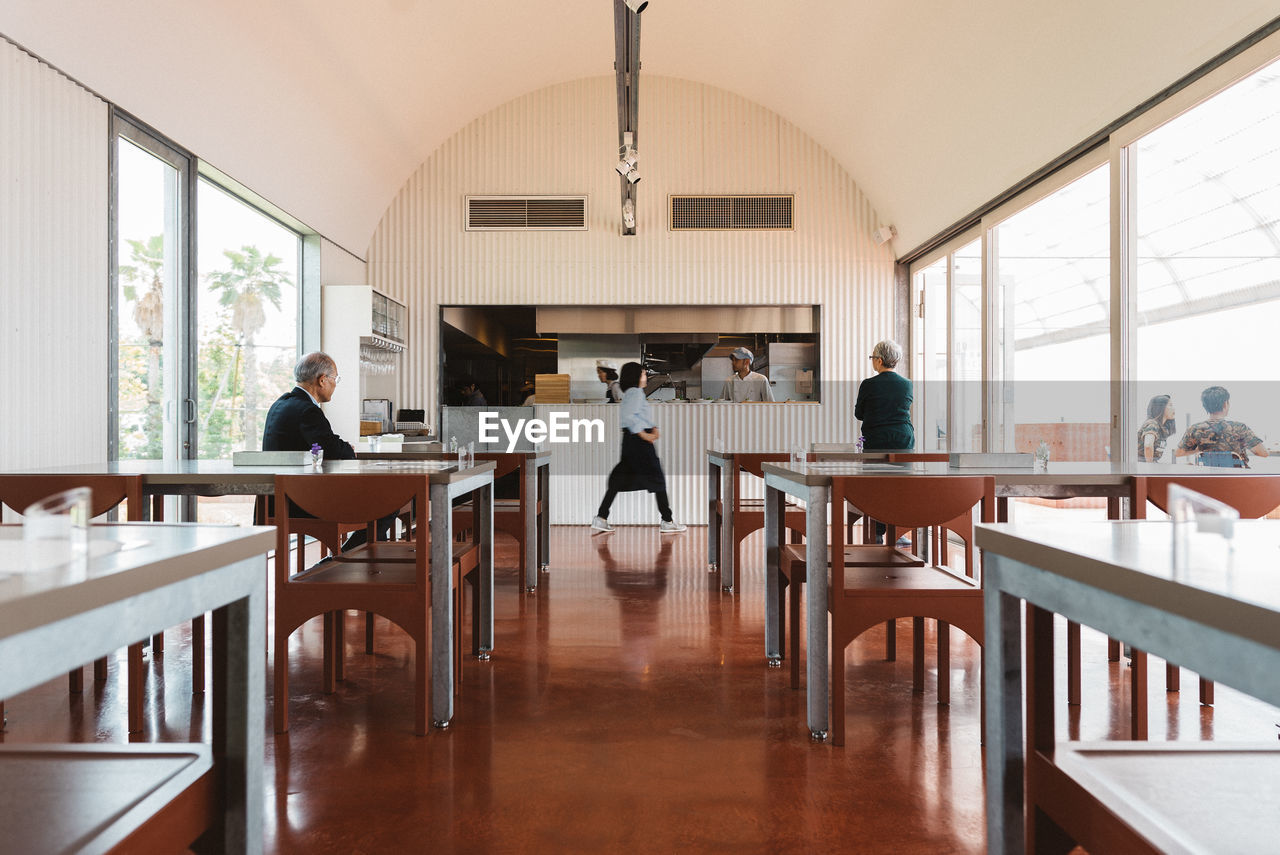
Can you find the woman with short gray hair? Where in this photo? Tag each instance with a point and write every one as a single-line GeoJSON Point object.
{"type": "Point", "coordinates": [884, 402]}
{"type": "Point", "coordinates": [889, 352]}
{"type": "Point", "coordinates": [884, 407]}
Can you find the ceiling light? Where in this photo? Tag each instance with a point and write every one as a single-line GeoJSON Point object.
{"type": "Point", "coordinates": [629, 214]}
{"type": "Point", "coordinates": [628, 161]}
{"type": "Point", "coordinates": [884, 234]}
{"type": "Point", "coordinates": [636, 6]}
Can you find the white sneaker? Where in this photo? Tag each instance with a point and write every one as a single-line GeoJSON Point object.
{"type": "Point", "coordinates": [601, 524]}
{"type": "Point", "coordinates": [671, 527]}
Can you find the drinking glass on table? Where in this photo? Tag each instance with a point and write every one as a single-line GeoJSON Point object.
{"type": "Point", "coordinates": [62, 516]}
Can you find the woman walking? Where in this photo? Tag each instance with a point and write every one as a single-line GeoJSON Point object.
{"type": "Point", "coordinates": [639, 467]}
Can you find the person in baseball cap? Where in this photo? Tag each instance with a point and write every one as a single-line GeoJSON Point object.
{"type": "Point", "coordinates": [745, 384]}
{"type": "Point", "coordinates": [607, 373]}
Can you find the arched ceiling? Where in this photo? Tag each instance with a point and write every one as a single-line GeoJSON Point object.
{"type": "Point", "coordinates": [326, 107]}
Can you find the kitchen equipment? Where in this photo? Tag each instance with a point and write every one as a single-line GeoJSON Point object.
{"type": "Point", "coordinates": [376, 409]}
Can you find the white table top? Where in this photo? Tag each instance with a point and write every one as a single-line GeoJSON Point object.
{"type": "Point", "coordinates": [820, 473]}
{"type": "Point", "coordinates": [149, 555]}
{"type": "Point", "coordinates": [1236, 589]}
{"type": "Point", "coordinates": [160, 472]}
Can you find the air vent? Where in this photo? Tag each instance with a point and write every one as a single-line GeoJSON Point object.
{"type": "Point", "coordinates": [526, 213]}
{"type": "Point", "coordinates": [731, 212]}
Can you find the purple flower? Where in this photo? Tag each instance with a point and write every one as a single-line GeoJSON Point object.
{"type": "Point", "coordinates": [315, 448]}
{"type": "Point", "coordinates": [862, 440]}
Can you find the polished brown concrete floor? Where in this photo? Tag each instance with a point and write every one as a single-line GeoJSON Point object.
{"type": "Point", "coordinates": [627, 708]}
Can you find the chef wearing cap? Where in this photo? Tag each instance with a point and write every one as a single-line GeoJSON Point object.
{"type": "Point", "coordinates": [607, 373]}
{"type": "Point", "coordinates": [745, 384]}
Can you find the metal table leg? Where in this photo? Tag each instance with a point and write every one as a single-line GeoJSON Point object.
{"type": "Point", "coordinates": [818, 689]}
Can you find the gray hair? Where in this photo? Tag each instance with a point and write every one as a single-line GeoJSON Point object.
{"type": "Point", "coordinates": [313, 366]}
{"type": "Point", "coordinates": [888, 351]}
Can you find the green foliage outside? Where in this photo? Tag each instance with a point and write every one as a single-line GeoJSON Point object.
{"type": "Point", "coordinates": [237, 378]}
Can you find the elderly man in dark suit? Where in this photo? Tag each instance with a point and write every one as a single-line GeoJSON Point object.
{"type": "Point", "coordinates": [295, 421]}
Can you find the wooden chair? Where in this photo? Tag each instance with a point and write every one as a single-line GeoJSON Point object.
{"type": "Point", "coordinates": [854, 515]}
{"type": "Point", "coordinates": [329, 536]}
{"type": "Point", "coordinates": [22, 491]}
{"type": "Point", "coordinates": [509, 515]}
{"type": "Point", "coordinates": [1253, 496]}
{"type": "Point", "coordinates": [390, 578]}
{"type": "Point", "coordinates": [748, 514]}
{"type": "Point", "coordinates": [871, 584]}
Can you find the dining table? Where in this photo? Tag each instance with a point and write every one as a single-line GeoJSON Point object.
{"type": "Point", "coordinates": [63, 604]}
{"type": "Point", "coordinates": [1197, 597]}
{"type": "Point", "coordinates": [810, 483]}
{"type": "Point", "coordinates": [447, 479]}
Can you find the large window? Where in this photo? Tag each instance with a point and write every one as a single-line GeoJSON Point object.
{"type": "Point", "coordinates": [1207, 289]}
{"type": "Point", "coordinates": [149, 267]}
{"type": "Point", "coordinates": [205, 336]}
{"type": "Point", "coordinates": [966, 349]}
{"type": "Point", "coordinates": [248, 320]}
{"type": "Point", "coordinates": [929, 334]}
{"type": "Point", "coordinates": [1051, 269]}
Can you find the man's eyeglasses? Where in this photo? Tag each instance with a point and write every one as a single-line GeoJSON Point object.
{"type": "Point", "coordinates": [336, 378]}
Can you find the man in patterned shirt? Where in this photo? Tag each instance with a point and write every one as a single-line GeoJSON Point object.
{"type": "Point", "coordinates": [1217, 433]}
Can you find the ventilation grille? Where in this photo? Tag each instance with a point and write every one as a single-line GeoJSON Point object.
{"type": "Point", "coordinates": [526, 213]}
{"type": "Point", "coordinates": [731, 212]}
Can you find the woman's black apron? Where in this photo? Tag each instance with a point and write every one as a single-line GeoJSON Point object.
{"type": "Point", "coordinates": [638, 467]}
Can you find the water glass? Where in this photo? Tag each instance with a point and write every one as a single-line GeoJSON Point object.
{"type": "Point", "coordinates": [62, 516]}
{"type": "Point", "coordinates": [798, 455]}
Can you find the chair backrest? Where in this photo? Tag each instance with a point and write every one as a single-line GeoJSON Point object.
{"type": "Point", "coordinates": [22, 491]}
{"type": "Point", "coordinates": [506, 463]}
{"type": "Point", "coordinates": [908, 501]}
{"type": "Point", "coordinates": [919, 457]}
{"type": "Point", "coordinates": [1253, 496]}
{"type": "Point", "coordinates": [1223, 460]}
{"type": "Point", "coordinates": [919, 501]}
{"type": "Point", "coordinates": [751, 462]}
{"type": "Point", "coordinates": [338, 498]}
{"type": "Point", "coordinates": [351, 498]}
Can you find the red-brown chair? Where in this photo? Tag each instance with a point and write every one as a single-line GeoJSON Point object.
{"type": "Point", "coordinates": [871, 584]}
{"type": "Point", "coordinates": [329, 536]}
{"type": "Point", "coordinates": [390, 578]}
{"type": "Point", "coordinates": [509, 515]}
{"type": "Point", "coordinates": [748, 514]}
{"type": "Point", "coordinates": [941, 545]}
{"type": "Point", "coordinates": [22, 491]}
{"type": "Point", "coordinates": [1252, 496]}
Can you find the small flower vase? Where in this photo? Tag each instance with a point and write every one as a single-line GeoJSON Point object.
{"type": "Point", "coordinates": [317, 457]}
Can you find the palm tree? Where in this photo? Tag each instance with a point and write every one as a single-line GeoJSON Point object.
{"type": "Point", "coordinates": [147, 269]}
{"type": "Point", "coordinates": [253, 280]}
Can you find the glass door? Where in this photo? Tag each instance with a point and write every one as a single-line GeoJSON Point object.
{"type": "Point", "coordinates": [153, 412]}
{"type": "Point", "coordinates": [930, 369]}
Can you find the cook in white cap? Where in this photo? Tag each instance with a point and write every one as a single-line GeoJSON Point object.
{"type": "Point", "coordinates": [745, 384]}
{"type": "Point", "coordinates": [607, 372]}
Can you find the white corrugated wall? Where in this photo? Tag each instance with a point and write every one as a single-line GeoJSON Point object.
{"type": "Point", "coordinates": [53, 266]}
{"type": "Point", "coordinates": [693, 139]}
